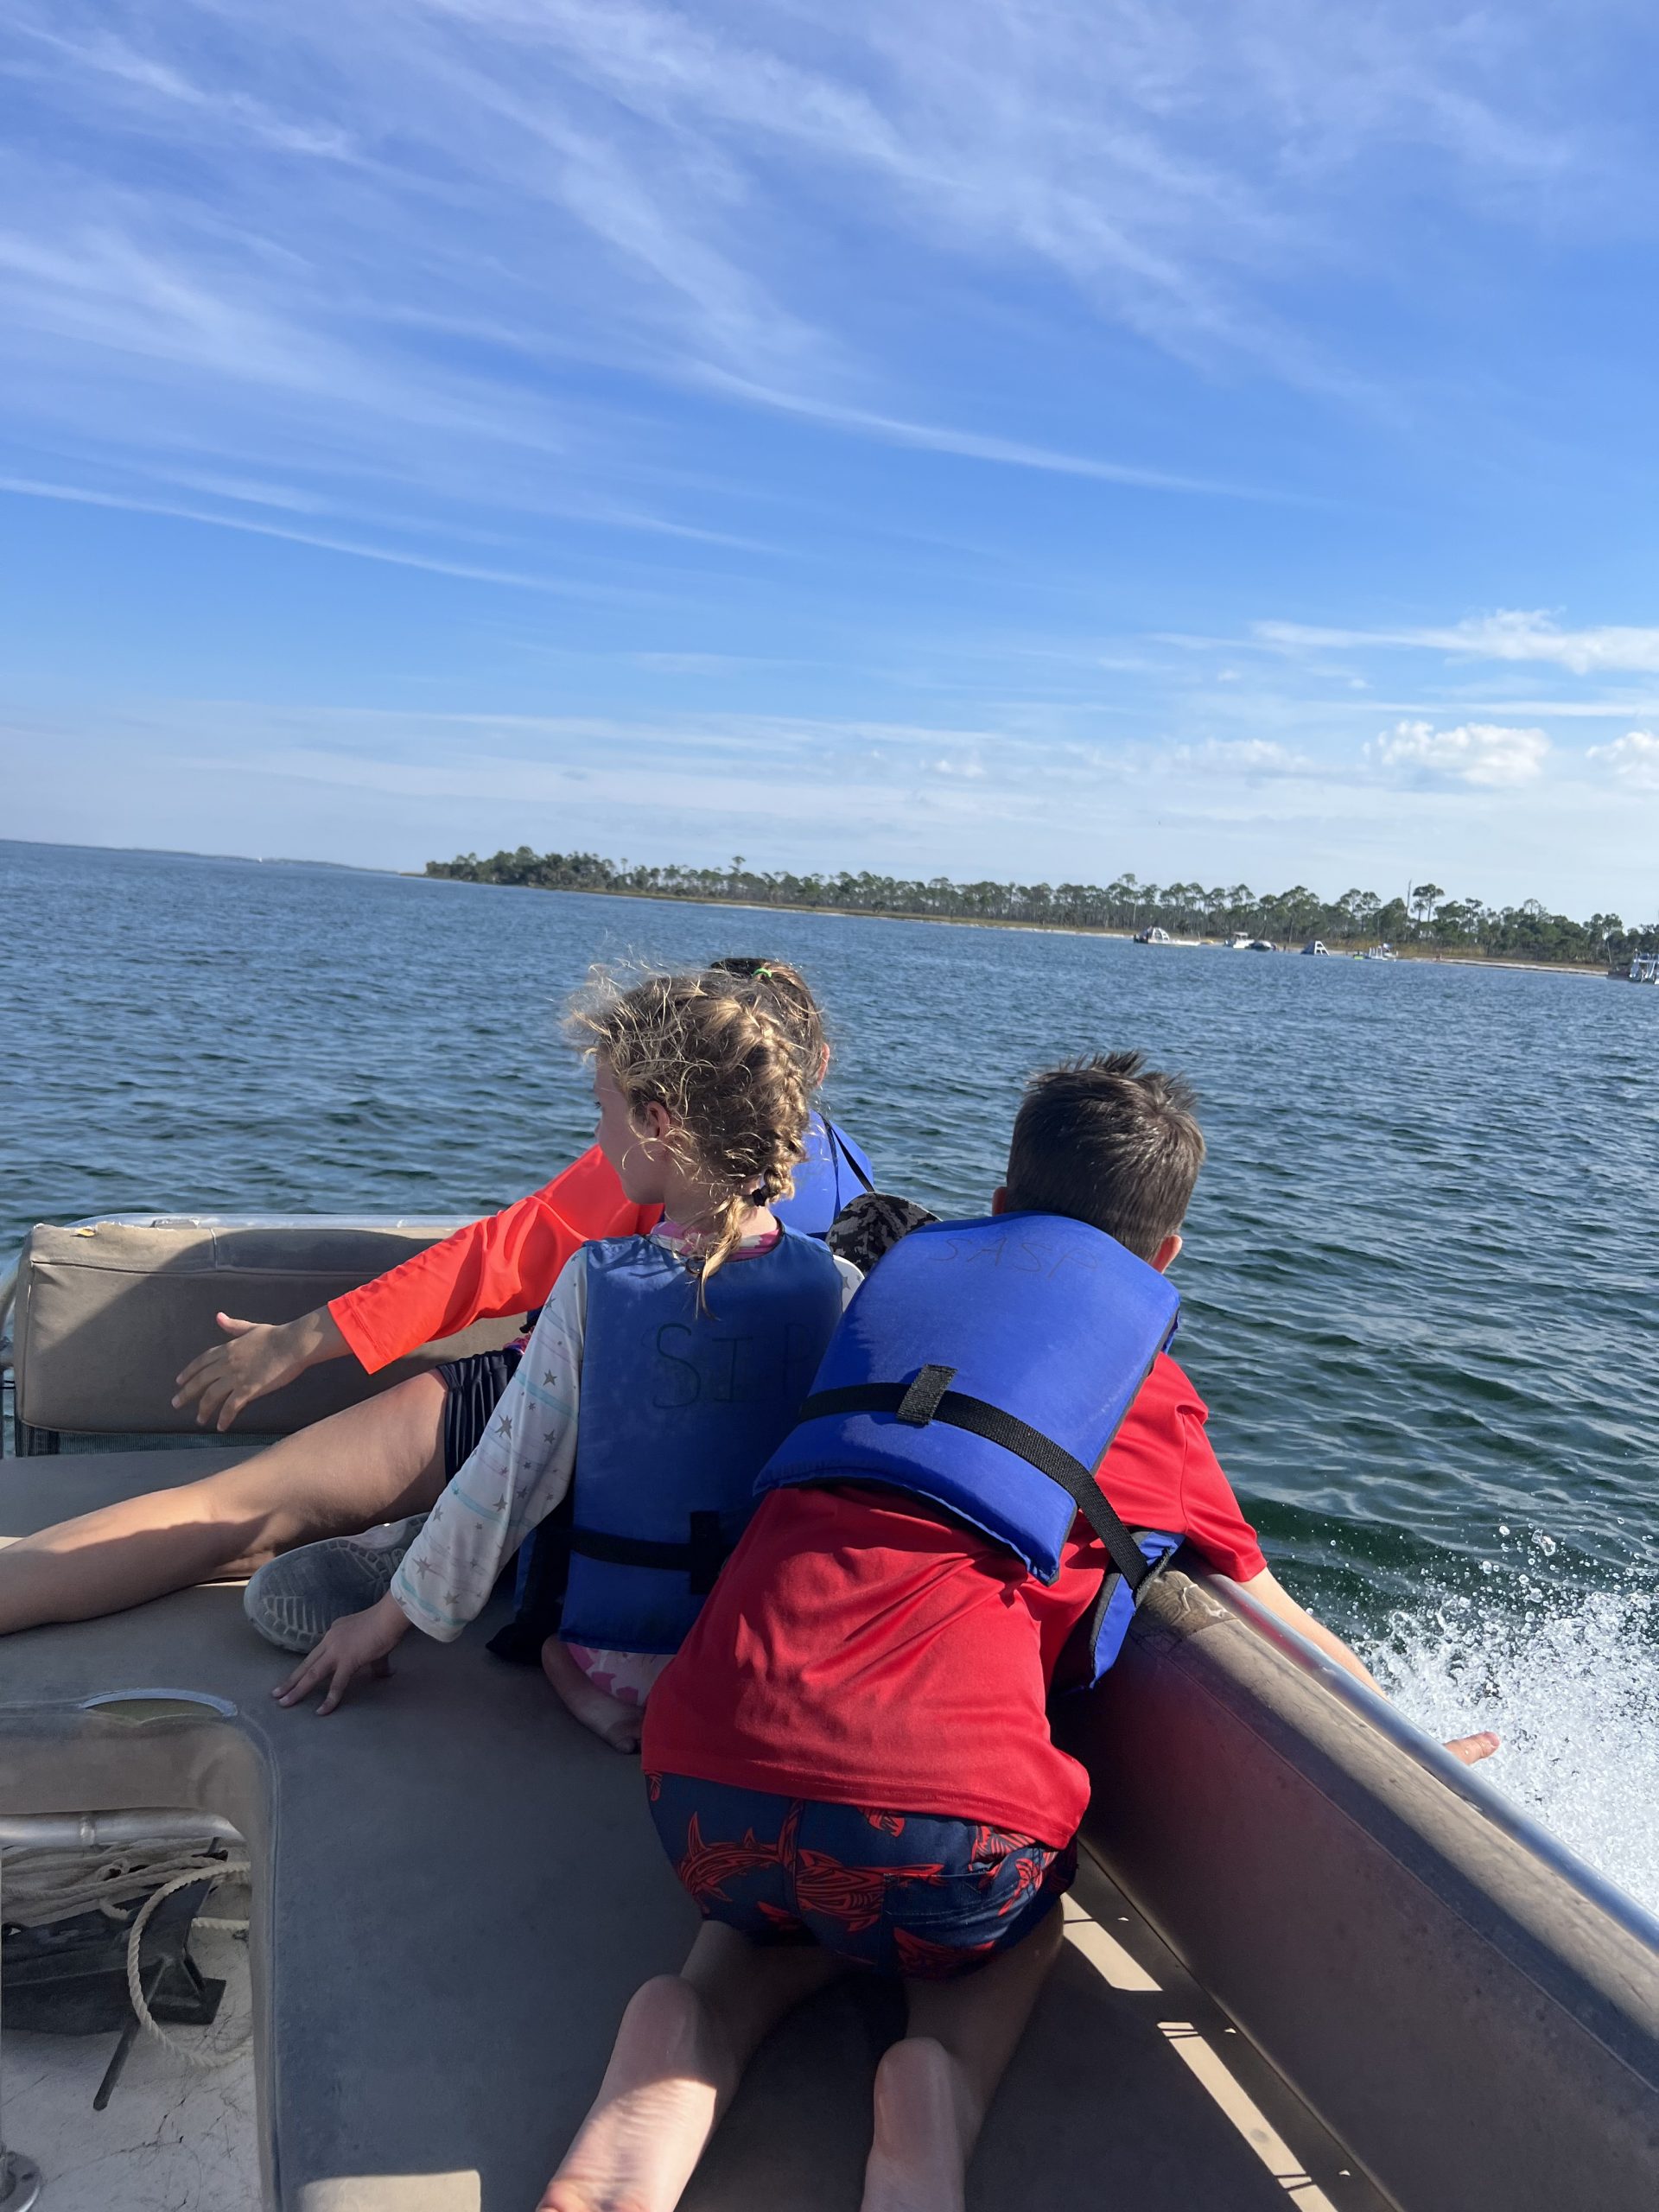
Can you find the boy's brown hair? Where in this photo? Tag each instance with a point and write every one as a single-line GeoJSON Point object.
{"type": "Point", "coordinates": [1109, 1141]}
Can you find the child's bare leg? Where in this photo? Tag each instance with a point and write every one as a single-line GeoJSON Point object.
{"type": "Point", "coordinates": [376, 1461]}
{"type": "Point", "coordinates": [618, 1724]}
{"type": "Point", "coordinates": [934, 2089]}
{"type": "Point", "coordinates": [680, 2053]}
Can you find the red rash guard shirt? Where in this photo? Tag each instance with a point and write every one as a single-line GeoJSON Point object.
{"type": "Point", "coordinates": [491, 1268]}
{"type": "Point", "coordinates": [856, 1650]}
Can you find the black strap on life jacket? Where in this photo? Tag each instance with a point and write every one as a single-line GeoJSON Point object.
{"type": "Point", "coordinates": [700, 1558]}
{"type": "Point", "coordinates": [839, 1149]}
{"type": "Point", "coordinates": [541, 1607]}
{"type": "Point", "coordinates": [931, 1398]}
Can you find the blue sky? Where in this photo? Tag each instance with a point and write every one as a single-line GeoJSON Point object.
{"type": "Point", "coordinates": [1214, 441]}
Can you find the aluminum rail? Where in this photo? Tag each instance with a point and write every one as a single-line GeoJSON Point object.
{"type": "Point", "coordinates": [110, 1831]}
{"type": "Point", "coordinates": [1486, 1798]}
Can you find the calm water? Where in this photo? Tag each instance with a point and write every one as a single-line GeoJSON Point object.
{"type": "Point", "coordinates": [1419, 1274]}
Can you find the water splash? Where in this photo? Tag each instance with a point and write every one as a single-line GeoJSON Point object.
{"type": "Point", "coordinates": [1569, 1680]}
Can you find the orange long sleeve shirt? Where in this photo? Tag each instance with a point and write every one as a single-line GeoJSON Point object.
{"type": "Point", "coordinates": [506, 1264]}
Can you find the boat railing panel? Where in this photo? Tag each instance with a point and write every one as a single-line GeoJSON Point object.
{"type": "Point", "coordinates": [1474, 1784]}
{"type": "Point", "coordinates": [1474, 2015]}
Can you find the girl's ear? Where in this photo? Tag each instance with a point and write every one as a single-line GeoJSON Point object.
{"type": "Point", "coordinates": [823, 1067]}
{"type": "Point", "coordinates": [653, 1121]}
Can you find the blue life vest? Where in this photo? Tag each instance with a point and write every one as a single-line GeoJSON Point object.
{"type": "Point", "coordinates": [833, 1173]}
{"type": "Point", "coordinates": [680, 1408]}
{"type": "Point", "coordinates": [985, 1366]}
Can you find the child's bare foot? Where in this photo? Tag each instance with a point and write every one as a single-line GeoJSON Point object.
{"type": "Point", "coordinates": [925, 2127]}
{"type": "Point", "coordinates": [655, 2110]}
{"type": "Point", "coordinates": [620, 1724]}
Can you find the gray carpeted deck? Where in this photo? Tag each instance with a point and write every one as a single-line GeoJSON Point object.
{"type": "Point", "coordinates": [461, 1888]}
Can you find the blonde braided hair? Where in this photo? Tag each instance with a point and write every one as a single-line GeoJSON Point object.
{"type": "Point", "coordinates": [711, 1049]}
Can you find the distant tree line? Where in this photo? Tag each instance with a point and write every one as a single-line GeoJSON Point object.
{"type": "Point", "coordinates": [1430, 920]}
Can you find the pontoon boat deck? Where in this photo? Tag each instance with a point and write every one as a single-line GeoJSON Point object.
{"type": "Point", "coordinates": [1311, 1960]}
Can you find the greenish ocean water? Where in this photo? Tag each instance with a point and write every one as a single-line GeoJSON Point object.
{"type": "Point", "coordinates": [1418, 1291]}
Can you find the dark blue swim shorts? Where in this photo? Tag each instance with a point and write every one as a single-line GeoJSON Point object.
{"type": "Point", "coordinates": [906, 1893]}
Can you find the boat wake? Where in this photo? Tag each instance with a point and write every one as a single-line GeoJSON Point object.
{"type": "Point", "coordinates": [1569, 1679]}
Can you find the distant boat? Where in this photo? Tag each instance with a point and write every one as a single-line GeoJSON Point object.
{"type": "Point", "coordinates": [1643, 969]}
{"type": "Point", "coordinates": [1238, 942]}
{"type": "Point", "coordinates": [1379, 952]}
{"type": "Point", "coordinates": [1153, 936]}
{"type": "Point", "coordinates": [1261, 945]}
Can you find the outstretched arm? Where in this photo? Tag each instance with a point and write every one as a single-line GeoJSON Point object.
{"type": "Point", "coordinates": [261, 1356]}
{"type": "Point", "coordinates": [1278, 1601]}
{"type": "Point", "coordinates": [503, 1265]}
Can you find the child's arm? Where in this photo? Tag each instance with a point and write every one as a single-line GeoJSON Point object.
{"type": "Point", "coordinates": [365, 1639]}
{"type": "Point", "coordinates": [1275, 1599]}
{"type": "Point", "coordinates": [1278, 1601]}
{"type": "Point", "coordinates": [517, 1474]}
{"type": "Point", "coordinates": [260, 1356]}
{"type": "Point", "coordinates": [492, 1267]}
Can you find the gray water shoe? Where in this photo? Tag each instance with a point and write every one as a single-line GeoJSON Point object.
{"type": "Point", "coordinates": [296, 1597]}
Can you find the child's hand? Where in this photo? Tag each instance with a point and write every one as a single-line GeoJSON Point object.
{"type": "Point", "coordinates": [260, 1356]}
{"type": "Point", "coordinates": [361, 1640]}
{"type": "Point", "coordinates": [1472, 1749]}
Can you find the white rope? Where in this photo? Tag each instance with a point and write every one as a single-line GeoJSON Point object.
{"type": "Point", "coordinates": [196, 2054]}
{"type": "Point", "coordinates": [49, 1884]}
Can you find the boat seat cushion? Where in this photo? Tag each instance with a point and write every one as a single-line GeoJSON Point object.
{"type": "Point", "coordinates": [108, 1312]}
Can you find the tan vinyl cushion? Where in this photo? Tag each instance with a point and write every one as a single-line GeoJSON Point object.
{"type": "Point", "coordinates": [108, 1314]}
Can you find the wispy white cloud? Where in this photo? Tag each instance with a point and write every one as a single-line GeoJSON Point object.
{"type": "Point", "coordinates": [1013, 453]}
{"type": "Point", "coordinates": [718, 199]}
{"type": "Point", "coordinates": [1485, 754]}
{"type": "Point", "coordinates": [1508, 635]}
{"type": "Point", "coordinates": [1248, 757]}
{"type": "Point", "coordinates": [471, 572]}
{"type": "Point", "coordinates": [1633, 759]}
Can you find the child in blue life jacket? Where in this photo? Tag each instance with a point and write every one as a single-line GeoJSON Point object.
{"type": "Point", "coordinates": [850, 1764]}
{"type": "Point", "coordinates": [663, 1371]}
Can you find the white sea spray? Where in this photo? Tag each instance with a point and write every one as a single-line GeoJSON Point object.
{"type": "Point", "coordinates": [1569, 1680]}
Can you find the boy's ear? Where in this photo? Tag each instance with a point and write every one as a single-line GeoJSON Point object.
{"type": "Point", "coordinates": [1168, 1253]}
{"type": "Point", "coordinates": [999, 1199]}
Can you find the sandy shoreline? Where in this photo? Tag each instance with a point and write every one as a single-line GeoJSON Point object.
{"type": "Point", "coordinates": [986, 922]}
